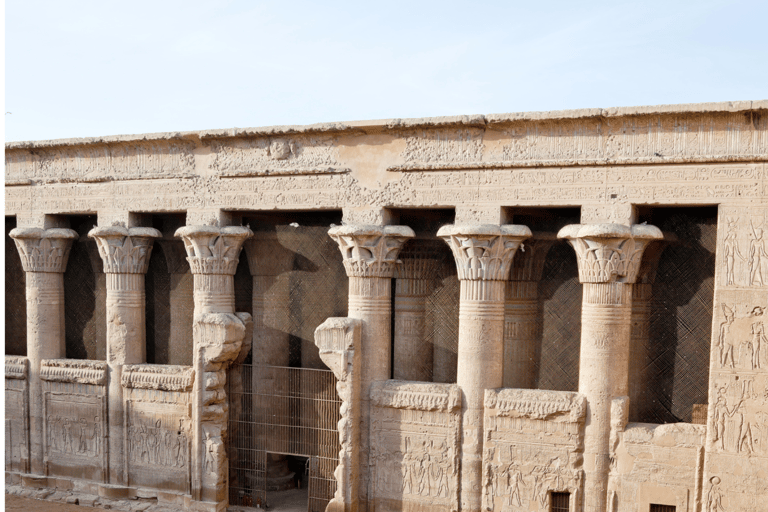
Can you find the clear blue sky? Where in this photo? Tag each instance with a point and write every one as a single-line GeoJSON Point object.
{"type": "Point", "coordinates": [85, 68]}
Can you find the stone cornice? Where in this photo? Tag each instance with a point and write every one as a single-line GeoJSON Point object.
{"type": "Point", "coordinates": [213, 250]}
{"type": "Point", "coordinates": [156, 376]}
{"type": "Point", "coordinates": [483, 252]}
{"type": "Point", "coordinates": [124, 250]}
{"type": "Point", "coordinates": [370, 251]}
{"type": "Point", "coordinates": [78, 371]}
{"type": "Point", "coordinates": [43, 250]}
{"type": "Point", "coordinates": [609, 252]}
{"type": "Point", "coordinates": [16, 367]}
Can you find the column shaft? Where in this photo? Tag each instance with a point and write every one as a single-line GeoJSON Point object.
{"type": "Point", "coordinates": [45, 340]}
{"type": "Point", "coordinates": [480, 367]}
{"type": "Point", "coordinates": [603, 370]}
{"type": "Point", "coordinates": [522, 331]}
{"type": "Point", "coordinates": [413, 354]}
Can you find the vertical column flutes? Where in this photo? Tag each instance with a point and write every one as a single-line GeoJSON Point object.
{"type": "Point", "coordinates": [483, 255]}
{"type": "Point", "coordinates": [609, 257]}
{"type": "Point", "coordinates": [44, 254]}
{"type": "Point", "coordinates": [125, 253]}
{"type": "Point", "coordinates": [370, 254]}
{"type": "Point", "coordinates": [522, 312]}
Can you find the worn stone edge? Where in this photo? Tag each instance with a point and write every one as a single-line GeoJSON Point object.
{"type": "Point", "coordinates": [158, 377]}
{"type": "Point", "coordinates": [416, 396]}
{"type": "Point", "coordinates": [399, 124]}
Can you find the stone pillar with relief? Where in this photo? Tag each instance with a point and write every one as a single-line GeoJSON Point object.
{"type": "Point", "coordinates": [609, 257]}
{"type": "Point", "coordinates": [415, 276]}
{"type": "Point", "coordinates": [370, 255]}
{"type": "Point", "coordinates": [483, 255]}
{"type": "Point", "coordinates": [522, 312]}
{"type": "Point", "coordinates": [44, 254]}
{"type": "Point", "coordinates": [220, 336]}
{"type": "Point", "coordinates": [125, 253]}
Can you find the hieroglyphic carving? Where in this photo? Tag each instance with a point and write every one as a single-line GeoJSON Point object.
{"type": "Point", "coordinates": [444, 145]}
{"type": "Point", "coordinates": [744, 254]}
{"type": "Point", "coordinates": [275, 156]}
{"type": "Point", "coordinates": [519, 468]}
{"type": "Point", "coordinates": [102, 162]}
{"type": "Point", "coordinates": [16, 414]}
{"type": "Point", "coordinates": [415, 445]}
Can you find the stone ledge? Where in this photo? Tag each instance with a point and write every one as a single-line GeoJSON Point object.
{"type": "Point", "coordinates": [79, 371]}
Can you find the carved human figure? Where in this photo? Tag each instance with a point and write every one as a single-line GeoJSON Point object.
{"type": "Point", "coordinates": [514, 481]}
{"type": "Point", "coordinates": [210, 459]}
{"type": "Point", "coordinates": [715, 496]}
{"type": "Point", "coordinates": [724, 341]}
{"type": "Point", "coordinates": [758, 336]}
{"type": "Point", "coordinates": [731, 250]}
{"type": "Point", "coordinates": [758, 256]}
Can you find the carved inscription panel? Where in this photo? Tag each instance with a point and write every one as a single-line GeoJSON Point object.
{"type": "Point", "coordinates": [533, 445]}
{"type": "Point", "coordinates": [415, 432]}
{"type": "Point", "coordinates": [16, 425]}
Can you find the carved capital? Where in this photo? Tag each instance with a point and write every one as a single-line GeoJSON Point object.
{"type": "Point", "coordinates": [484, 252]}
{"type": "Point", "coordinates": [609, 252]}
{"type": "Point", "coordinates": [370, 251]}
{"type": "Point", "coordinates": [213, 250]}
{"type": "Point", "coordinates": [124, 250]}
{"type": "Point", "coordinates": [528, 263]}
{"type": "Point", "coordinates": [43, 250]}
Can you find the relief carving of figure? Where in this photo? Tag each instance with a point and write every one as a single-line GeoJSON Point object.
{"type": "Point", "coordinates": [715, 496]}
{"type": "Point", "coordinates": [758, 256]}
{"type": "Point", "coordinates": [758, 336]}
{"type": "Point", "coordinates": [724, 341]}
{"type": "Point", "coordinates": [514, 479]}
{"type": "Point", "coordinates": [731, 250]}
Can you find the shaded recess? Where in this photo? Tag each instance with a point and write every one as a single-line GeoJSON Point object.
{"type": "Point", "coordinates": [676, 366]}
{"type": "Point", "coordinates": [560, 294]}
{"type": "Point", "coordinates": [15, 297]}
{"type": "Point", "coordinates": [169, 295]}
{"type": "Point", "coordinates": [441, 322]}
{"type": "Point", "coordinates": [85, 295]}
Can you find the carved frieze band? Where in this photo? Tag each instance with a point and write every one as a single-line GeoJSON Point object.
{"type": "Point", "coordinates": [370, 251]}
{"type": "Point", "coordinates": [213, 250]}
{"type": "Point", "coordinates": [124, 250]}
{"type": "Point", "coordinates": [16, 367]}
{"type": "Point", "coordinates": [160, 377]}
{"type": "Point", "coordinates": [79, 371]}
{"type": "Point", "coordinates": [43, 250]}
{"type": "Point", "coordinates": [483, 252]}
{"type": "Point", "coordinates": [416, 396]}
{"type": "Point", "coordinates": [537, 404]}
{"type": "Point", "coordinates": [609, 252]}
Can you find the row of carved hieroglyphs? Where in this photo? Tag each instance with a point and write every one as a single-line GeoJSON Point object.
{"type": "Point", "coordinates": [101, 161]}
{"type": "Point", "coordinates": [268, 155]}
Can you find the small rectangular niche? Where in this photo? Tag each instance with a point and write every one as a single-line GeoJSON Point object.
{"type": "Point", "coordinates": [662, 508]}
{"type": "Point", "coordinates": [560, 502]}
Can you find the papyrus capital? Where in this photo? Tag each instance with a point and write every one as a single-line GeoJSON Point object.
{"type": "Point", "coordinates": [213, 250]}
{"type": "Point", "coordinates": [124, 250]}
{"type": "Point", "coordinates": [609, 252]}
{"type": "Point", "coordinates": [484, 252]}
{"type": "Point", "coordinates": [370, 251]}
{"type": "Point", "coordinates": [43, 250]}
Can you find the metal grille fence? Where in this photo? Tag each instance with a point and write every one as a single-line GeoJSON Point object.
{"type": "Point", "coordinates": [282, 410]}
{"type": "Point", "coordinates": [560, 501]}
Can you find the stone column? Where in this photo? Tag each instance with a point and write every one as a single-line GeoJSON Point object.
{"type": "Point", "coordinates": [370, 255]}
{"type": "Point", "coordinates": [267, 260]}
{"type": "Point", "coordinates": [125, 254]}
{"type": "Point", "coordinates": [522, 312]}
{"type": "Point", "coordinates": [414, 280]}
{"type": "Point", "coordinates": [44, 254]}
{"type": "Point", "coordinates": [218, 334]}
{"type": "Point", "coordinates": [609, 258]}
{"type": "Point", "coordinates": [483, 255]}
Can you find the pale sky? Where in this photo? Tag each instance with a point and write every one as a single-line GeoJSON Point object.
{"type": "Point", "coordinates": [89, 68]}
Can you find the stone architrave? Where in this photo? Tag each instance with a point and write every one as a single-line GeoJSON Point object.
{"type": "Point", "coordinates": [125, 253]}
{"type": "Point", "coordinates": [44, 254]}
{"type": "Point", "coordinates": [642, 295]}
{"type": "Point", "coordinates": [414, 281]}
{"type": "Point", "coordinates": [609, 257]}
{"type": "Point", "coordinates": [267, 260]}
{"type": "Point", "coordinates": [370, 255]}
{"type": "Point", "coordinates": [218, 336]}
{"type": "Point", "coordinates": [522, 312]}
{"type": "Point", "coordinates": [339, 342]}
{"type": "Point", "coordinates": [483, 255]}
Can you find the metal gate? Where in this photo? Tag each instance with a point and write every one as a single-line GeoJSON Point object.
{"type": "Point", "coordinates": [281, 410]}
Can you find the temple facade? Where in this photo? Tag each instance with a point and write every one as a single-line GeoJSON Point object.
{"type": "Point", "coordinates": [545, 311]}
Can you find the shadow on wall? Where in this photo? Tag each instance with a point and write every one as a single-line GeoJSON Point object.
{"type": "Point", "coordinates": [15, 297]}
